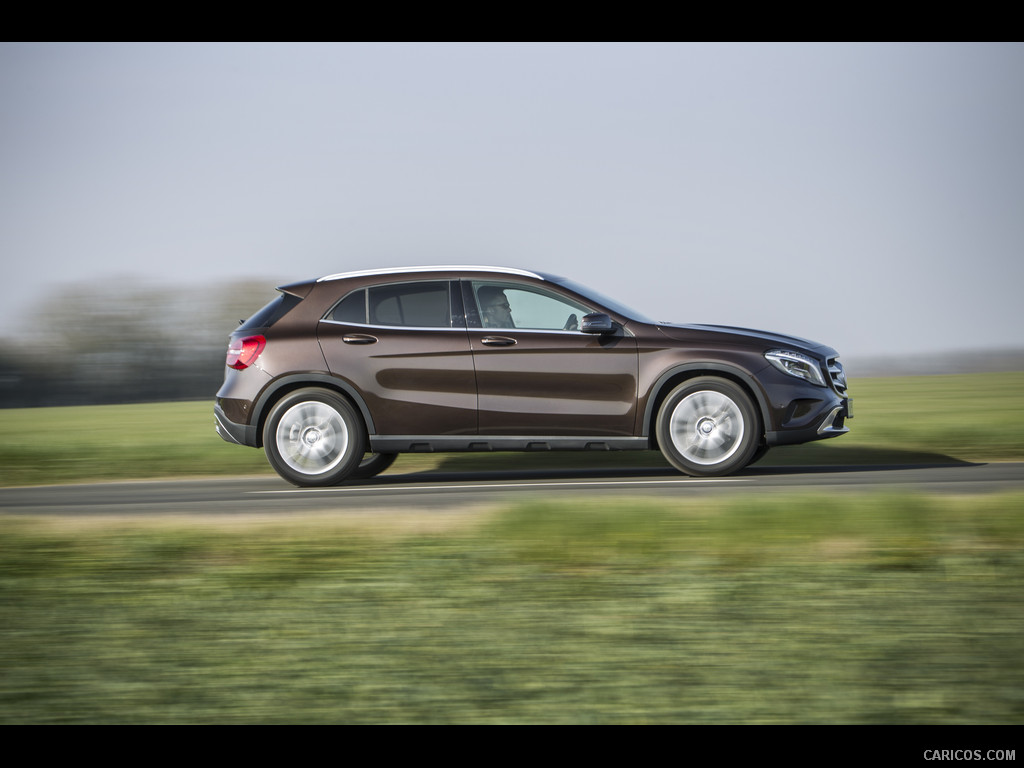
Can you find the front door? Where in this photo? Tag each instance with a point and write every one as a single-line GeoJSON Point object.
{"type": "Point", "coordinates": [537, 374]}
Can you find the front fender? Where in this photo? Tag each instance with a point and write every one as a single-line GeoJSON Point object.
{"type": "Point", "coordinates": [690, 370]}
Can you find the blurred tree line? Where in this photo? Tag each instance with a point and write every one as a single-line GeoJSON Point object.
{"type": "Point", "coordinates": [125, 342]}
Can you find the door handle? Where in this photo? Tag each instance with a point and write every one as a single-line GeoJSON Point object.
{"type": "Point", "coordinates": [358, 338]}
{"type": "Point", "coordinates": [497, 341]}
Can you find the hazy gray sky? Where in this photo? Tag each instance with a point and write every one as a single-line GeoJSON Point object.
{"type": "Point", "coordinates": [867, 196]}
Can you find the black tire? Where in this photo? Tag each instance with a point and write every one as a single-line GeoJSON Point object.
{"type": "Point", "coordinates": [758, 455]}
{"type": "Point", "coordinates": [708, 426]}
{"type": "Point", "coordinates": [373, 464]}
{"type": "Point", "coordinates": [314, 437]}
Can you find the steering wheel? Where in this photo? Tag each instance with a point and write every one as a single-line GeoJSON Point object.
{"type": "Point", "coordinates": [572, 324]}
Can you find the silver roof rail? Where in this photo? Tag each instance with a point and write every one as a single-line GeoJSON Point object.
{"type": "Point", "coordinates": [439, 268]}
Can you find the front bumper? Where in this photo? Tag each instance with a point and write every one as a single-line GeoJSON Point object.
{"type": "Point", "coordinates": [827, 420]}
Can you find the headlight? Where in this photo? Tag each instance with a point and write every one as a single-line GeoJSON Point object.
{"type": "Point", "coordinates": [795, 364]}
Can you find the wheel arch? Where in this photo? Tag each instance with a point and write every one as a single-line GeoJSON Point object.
{"type": "Point", "coordinates": [286, 384]}
{"type": "Point", "coordinates": [677, 374]}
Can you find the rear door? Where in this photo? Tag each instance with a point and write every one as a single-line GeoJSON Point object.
{"type": "Point", "coordinates": [405, 348]}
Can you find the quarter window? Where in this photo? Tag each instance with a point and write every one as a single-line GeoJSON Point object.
{"type": "Point", "coordinates": [351, 309]}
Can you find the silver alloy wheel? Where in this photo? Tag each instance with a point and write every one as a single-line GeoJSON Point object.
{"type": "Point", "coordinates": [707, 427]}
{"type": "Point", "coordinates": [312, 437]}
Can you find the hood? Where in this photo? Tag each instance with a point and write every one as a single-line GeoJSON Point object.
{"type": "Point", "coordinates": [727, 334]}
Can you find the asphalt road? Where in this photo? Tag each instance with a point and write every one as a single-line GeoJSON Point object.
{"type": "Point", "coordinates": [419, 492]}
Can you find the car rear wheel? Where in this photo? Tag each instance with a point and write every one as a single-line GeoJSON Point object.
{"type": "Point", "coordinates": [708, 426]}
{"type": "Point", "coordinates": [314, 437]}
{"type": "Point", "coordinates": [373, 464]}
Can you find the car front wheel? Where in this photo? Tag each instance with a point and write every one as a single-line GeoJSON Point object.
{"type": "Point", "coordinates": [314, 437]}
{"type": "Point", "coordinates": [708, 426]}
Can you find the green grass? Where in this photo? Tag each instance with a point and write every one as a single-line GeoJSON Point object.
{"type": "Point", "coordinates": [968, 417]}
{"type": "Point", "coordinates": [114, 442]}
{"type": "Point", "coordinates": [789, 609]}
{"type": "Point", "coordinates": [921, 419]}
{"type": "Point", "coordinates": [794, 608]}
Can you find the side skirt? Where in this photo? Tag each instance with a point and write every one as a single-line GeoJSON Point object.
{"type": "Point", "coordinates": [461, 443]}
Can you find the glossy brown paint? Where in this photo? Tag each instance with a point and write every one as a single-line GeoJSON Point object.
{"type": "Point", "coordinates": [558, 383]}
{"type": "Point", "coordinates": [661, 364]}
{"type": "Point", "coordinates": [415, 382]}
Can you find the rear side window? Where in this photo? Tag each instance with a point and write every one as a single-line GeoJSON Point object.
{"type": "Point", "coordinates": [275, 309]}
{"type": "Point", "coordinates": [411, 305]}
{"type": "Point", "coordinates": [414, 305]}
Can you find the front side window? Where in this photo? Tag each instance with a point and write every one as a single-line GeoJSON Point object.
{"type": "Point", "coordinates": [509, 305]}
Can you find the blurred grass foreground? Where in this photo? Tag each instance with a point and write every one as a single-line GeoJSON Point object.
{"type": "Point", "coordinates": [791, 608]}
{"type": "Point", "coordinates": [873, 609]}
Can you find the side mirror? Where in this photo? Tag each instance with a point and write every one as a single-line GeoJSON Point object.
{"type": "Point", "coordinates": [597, 322]}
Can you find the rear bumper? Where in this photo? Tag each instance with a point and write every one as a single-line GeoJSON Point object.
{"type": "Point", "coordinates": [240, 434]}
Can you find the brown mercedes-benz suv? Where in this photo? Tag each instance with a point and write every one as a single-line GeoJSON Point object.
{"type": "Point", "coordinates": [336, 376]}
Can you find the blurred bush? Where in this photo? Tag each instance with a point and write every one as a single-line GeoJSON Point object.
{"type": "Point", "coordinates": [125, 341]}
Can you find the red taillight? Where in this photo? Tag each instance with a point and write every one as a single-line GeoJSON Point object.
{"type": "Point", "coordinates": [243, 352]}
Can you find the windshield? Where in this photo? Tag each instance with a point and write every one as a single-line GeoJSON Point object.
{"type": "Point", "coordinates": [599, 298]}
